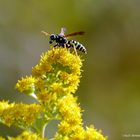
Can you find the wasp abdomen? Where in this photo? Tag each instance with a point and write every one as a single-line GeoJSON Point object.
{"type": "Point", "coordinates": [78, 46]}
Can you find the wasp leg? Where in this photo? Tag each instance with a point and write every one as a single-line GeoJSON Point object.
{"type": "Point", "coordinates": [71, 44]}
{"type": "Point", "coordinates": [56, 45]}
{"type": "Point", "coordinates": [68, 45]}
{"type": "Point", "coordinates": [65, 46]}
{"type": "Point", "coordinates": [62, 45]}
{"type": "Point", "coordinates": [75, 49]}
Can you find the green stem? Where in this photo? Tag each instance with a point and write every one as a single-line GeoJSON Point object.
{"type": "Point", "coordinates": [43, 130]}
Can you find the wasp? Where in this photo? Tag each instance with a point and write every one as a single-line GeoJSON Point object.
{"type": "Point", "coordinates": [62, 41]}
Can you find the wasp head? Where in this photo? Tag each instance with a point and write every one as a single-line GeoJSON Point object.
{"type": "Point", "coordinates": [52, 38]}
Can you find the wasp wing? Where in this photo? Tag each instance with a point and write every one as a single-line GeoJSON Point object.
{"type": "Point", "coordinates": [62, 32]}
{"type": "Point", "coordinates": [75, 33]}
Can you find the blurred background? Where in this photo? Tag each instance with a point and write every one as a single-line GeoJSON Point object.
{"type": "Point", "coordinates": [109, 91]}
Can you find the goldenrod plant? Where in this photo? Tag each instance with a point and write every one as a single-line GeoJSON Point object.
{"type": "Point", "coordinates": [53, 83]}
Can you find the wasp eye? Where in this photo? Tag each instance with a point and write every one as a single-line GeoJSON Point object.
{"type": "Point", "coordinates": [52, 37]}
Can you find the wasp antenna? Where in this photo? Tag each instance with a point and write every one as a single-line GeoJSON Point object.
{"type": "Point", "coordinates": [45, 33]}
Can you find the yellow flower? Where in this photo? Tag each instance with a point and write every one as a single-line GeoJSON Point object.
{"type": "Point", "coordinates": [70, 113]}
{"type": "Point", "coordinates": [78, 134]}
{"type": "Point", "coordinates": [64, 76]}
{"type": "Point", "coordinates": [61, 137]}
{"type": "Point", "coordinates": [68, 107]}
{"type": "Point", "coordinates": [65, 58]}
{"type": "Point", "coordinates": [27, 136]}
{"type": "Point", "coordinates": [58, 71]}
{"type": "Point", "coordinates": [54, 80]}
{"type": "Point", "coordinates": [64, 128]}
{"type": "Point", "coordinates": [4, 105]}
{"type": "Point", "coordinates": [40, 84]}
{"type": "Point", "coordinates": [70, 81]}
{"type": "Point", "coordinates": [46, 97]}
{"type": "Point", "coordinates": [57, 88]}
{"type": "Point", "coordinates": [37, 71]}
{"type": "Point", "coordinates": [92, 134]}
{"type": "Point", "coordinates": [26, 85]}
{"type": "Point", "coordinates": [41, 69]}
{"type": "Point", "coordinates": [20, 114]}
{"type": "Point", "coordinates": [1, 138]}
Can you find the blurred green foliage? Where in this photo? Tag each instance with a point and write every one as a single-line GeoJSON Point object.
{"type": "Point", "coordinates": [109, 91]}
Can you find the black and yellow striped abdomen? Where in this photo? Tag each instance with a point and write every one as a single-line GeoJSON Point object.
{"type": "Point", "coordinates": [77, 45]}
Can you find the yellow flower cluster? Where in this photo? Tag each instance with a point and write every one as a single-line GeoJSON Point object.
{"type": "Point", "coordinates": [80, 134]}
{"type": "Point", "coordinates": [53, 82]}
{"type": "Point", "coordinates": [70, 128]}
{"type": "Point", "coordinates": [58, 71]}
{"type": "Point", "coordinates": [70, 113]}
{"type": "Point", "coordinates": [25, 136]}
{"type": "Point", "coordinates": [21, 115]}
{"type": "Point", "coordinates": [26, 85]}
{"type": "Point", "coordinates": [1, 138]}
{"type": "Point", "coordinates": [89, 134]}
